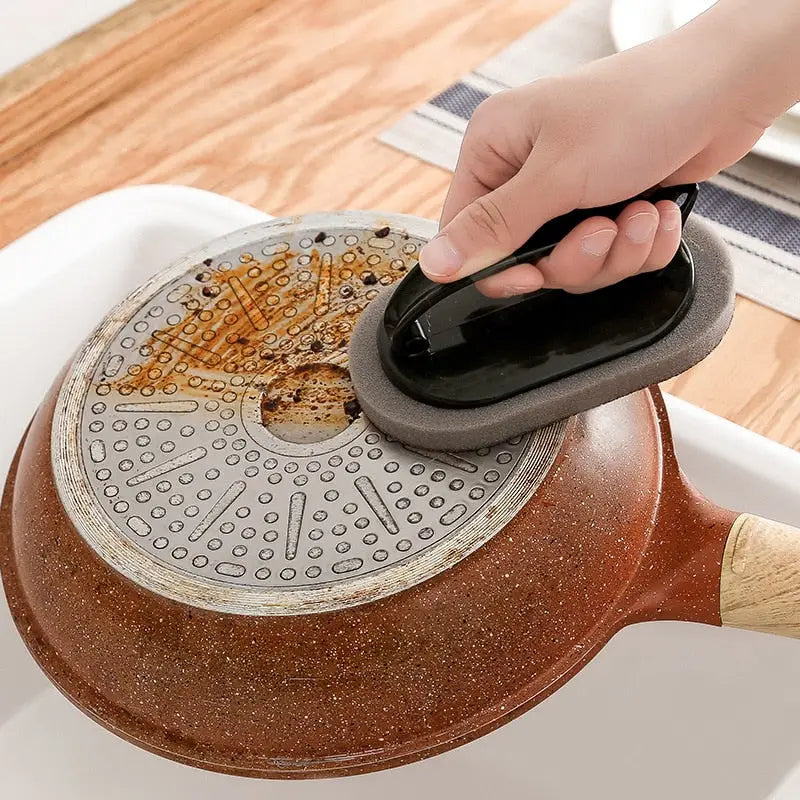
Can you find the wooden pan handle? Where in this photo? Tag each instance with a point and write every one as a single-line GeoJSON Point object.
{"type": "Point", "coordinates": [760, 583]}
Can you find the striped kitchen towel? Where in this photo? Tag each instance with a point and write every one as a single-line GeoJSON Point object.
{"type": "Point", "coordinates": [754, 205]}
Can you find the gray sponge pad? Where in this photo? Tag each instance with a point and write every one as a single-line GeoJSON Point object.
{"type": "Point", "coordinates": [421, 425]}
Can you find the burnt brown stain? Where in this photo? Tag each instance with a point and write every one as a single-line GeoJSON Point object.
{"type": "Point", "coordinates": [382, 233]}
{"type": "Point", "coordinates": [311, 403]}
{"type": "Point", "coordinates": [284, 320]}
{"type": "Point", "coordinates": [352, 409]}
{"type": "Point", "coordinates": [214, 322]}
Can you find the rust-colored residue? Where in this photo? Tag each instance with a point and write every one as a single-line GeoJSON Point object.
{"type": "Point", "coordinates": [312, 403]}
{"type": "Point", "coordinates": [242, 316]}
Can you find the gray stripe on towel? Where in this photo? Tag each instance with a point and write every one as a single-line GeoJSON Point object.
{"type": "Point", "coordinates": [460, 99]}
{"type": "Point", "coordinates": [750, 217]}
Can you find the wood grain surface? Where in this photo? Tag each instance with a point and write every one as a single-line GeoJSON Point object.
{"type": "Point", "coordinates": [281, 112]}
{"type": "Point", "coordinates": [60, 85]}
{"type": "Point", "coordinates": [760, 584]}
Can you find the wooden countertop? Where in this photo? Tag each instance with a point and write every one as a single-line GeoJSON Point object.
{"type": "Point", "coordinates": [280, 110]}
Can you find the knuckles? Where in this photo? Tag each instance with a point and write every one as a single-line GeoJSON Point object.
{"type": "Point", "coordinates": [488, 222]}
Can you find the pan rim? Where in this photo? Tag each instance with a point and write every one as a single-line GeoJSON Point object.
{"type": "Point", "coordinates": [111, 544]}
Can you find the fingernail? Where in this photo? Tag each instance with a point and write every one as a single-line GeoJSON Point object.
{"type": "Point", "coordinates": [670, 219]}
{"type": "Point", "coordinates": [640, 227]}
{"type": "Point", "coordinates": [599, 242]}
{"type": "Point", "coordinates": [438, 258]}
{"type": "Point", "coordinates": [513, 291]}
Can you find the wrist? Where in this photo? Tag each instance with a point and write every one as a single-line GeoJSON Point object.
{"type": "Point", "coordinates": [751, 51]}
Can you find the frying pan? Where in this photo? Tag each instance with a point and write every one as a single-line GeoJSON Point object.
{"type": "Point", "coordinates": [208, 548]}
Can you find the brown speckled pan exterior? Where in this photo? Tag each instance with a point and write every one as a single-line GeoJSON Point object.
{"type": "Point", "coordinates": [374, 675]}
{"type": "Point", "coordinates": [612, 536]}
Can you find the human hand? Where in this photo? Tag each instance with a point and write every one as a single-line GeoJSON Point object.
{"type": "Point", "coordinates": [596, 136]}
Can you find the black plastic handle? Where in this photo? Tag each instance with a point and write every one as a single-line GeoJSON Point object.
{"type": "Point", "coordinates": [416, 294]}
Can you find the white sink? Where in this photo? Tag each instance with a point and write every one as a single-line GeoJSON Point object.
{"type": "Point", "coordinates": [666, 710]}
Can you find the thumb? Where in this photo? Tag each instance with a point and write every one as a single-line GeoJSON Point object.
{"type": "Point", "coordinates": [492, 226]}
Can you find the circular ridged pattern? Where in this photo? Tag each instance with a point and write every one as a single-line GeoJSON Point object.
{"type": "Point", "coordinates": [210, 423]}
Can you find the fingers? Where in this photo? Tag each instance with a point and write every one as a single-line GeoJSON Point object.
{"type": "Point", "coordinates": [599, 252]}
{"type": "Point", "coordinates": [648, 239]}
{"type": "Point", "coordinates": [494, 205]}
{"type": "Point", "coordinates": [493, 225]}
{"type": "Point", "coordinates": [490, 227]}
{"type": "Point", "coordinates": [494, 148]}
{"type": "Point", "coordinates": [667, 238]}
{"type": "Point", "coordinates": [579, 258]}
{"type": "Point", "coordinates": [480, 168]}
{"type": "Point", "coordinates": [519, 279]}
{"type": "Point", "coordinates": [637, 226]}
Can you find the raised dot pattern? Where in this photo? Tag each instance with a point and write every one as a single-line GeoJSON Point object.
{"type": "Point", "coordinates": [169, 442]}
